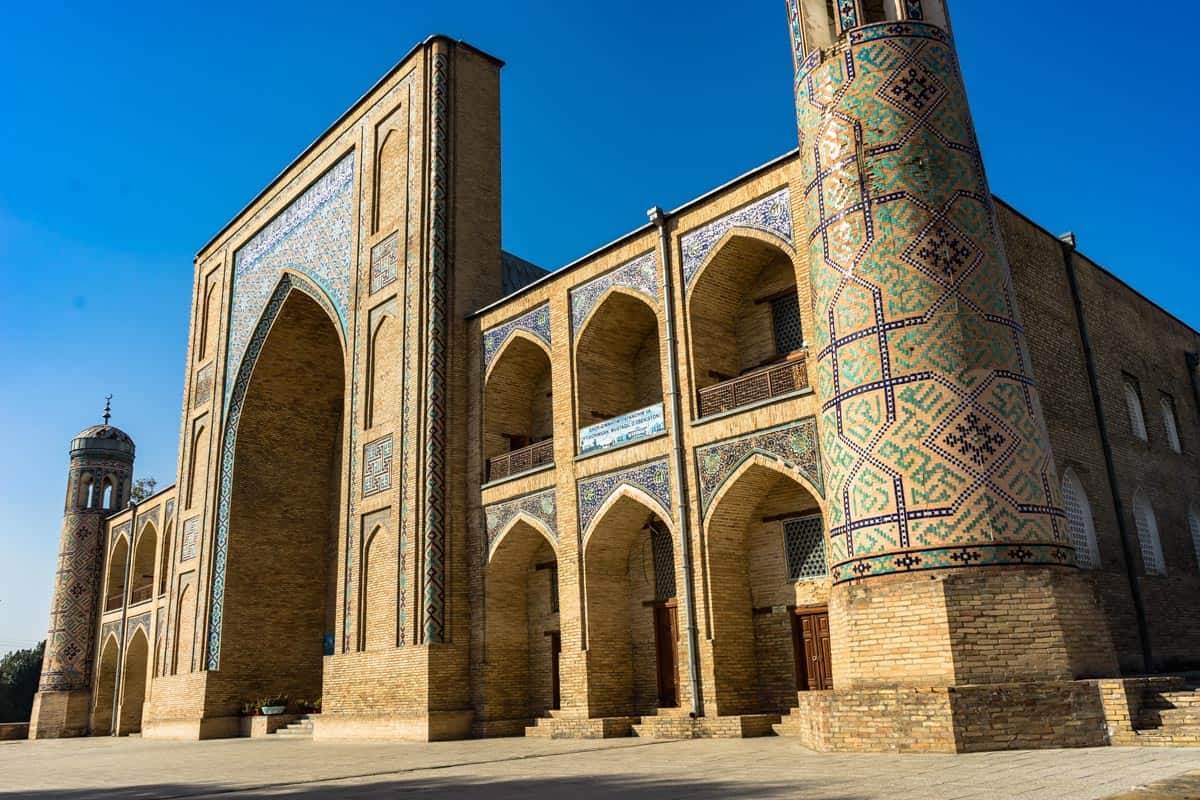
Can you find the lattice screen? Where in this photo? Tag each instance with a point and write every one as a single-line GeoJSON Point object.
{"type": "Point", "coordinates": [1147, 531]}
{"type": "Point", "coordinates": [664, 562]}
{"type": "Point", "coordinates": [804, 538]}
{"type": "Point", "coordinates": [785, 315]}
{"type": "Point", "coordinates": [1079, 522]}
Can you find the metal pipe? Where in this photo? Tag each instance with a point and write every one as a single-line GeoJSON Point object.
{"type": "Point", "coordinates": [681, 503]}
{"type": "Point", "coordinates": [1067, 243]}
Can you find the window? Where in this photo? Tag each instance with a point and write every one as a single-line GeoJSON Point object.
{"type": "Point", "coordinates": [785, 318]}
{"type": "Point", "coordinates": [1133, 399]}
{"type": "Point", "coordinates": [108, 501]}
{"type": "Point", "coordinates": [1167, 403]}
{"type": "Point", "coordinates": [1194, 527]}
{"type": "Point", "coordinates": [873, 11]}
{"type": "Point", "coordinates": [1147, 531]}
{"type": "Point", "coordinates": [664, 561]}
{"type": "Point", "coordinates": [1080, 522]}
{"type": "Point", "coordinates": [804, 541]}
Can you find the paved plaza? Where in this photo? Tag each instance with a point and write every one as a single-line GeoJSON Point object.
{"type": "Point", "coordinates": [124, 769]}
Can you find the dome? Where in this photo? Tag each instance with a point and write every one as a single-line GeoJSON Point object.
{"type": "Point", "coordinates": [103, 439]}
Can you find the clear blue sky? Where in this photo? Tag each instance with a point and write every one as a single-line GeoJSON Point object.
{"type": "Point", "coordinates": [130, 136]}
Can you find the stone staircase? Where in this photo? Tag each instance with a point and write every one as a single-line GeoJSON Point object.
{"type": "Point", "coordinates": [299, 728]}
{"type": "Point", "coordinates": [1166, 717]}
{"type": "Point", "coordinates": [568, 726]}
{"type": "Point", "coordinates": [671, 724]}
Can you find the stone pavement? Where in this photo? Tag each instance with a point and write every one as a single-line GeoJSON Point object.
{"type": "Point", "coordinates": [124, 769]}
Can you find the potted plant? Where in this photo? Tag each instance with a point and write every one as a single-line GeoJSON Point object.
{"type": "Point", "coordinates": [249, 709]}
{"type": "Point", "coordinates": [309, 706]}
{"type": "Point", "coordinates": [271, 706]}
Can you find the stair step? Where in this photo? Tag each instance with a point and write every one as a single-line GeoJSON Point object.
{"type": "Point", "coordinates": [582, 728]}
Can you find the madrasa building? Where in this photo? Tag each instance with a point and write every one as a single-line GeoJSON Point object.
{"type": "Point", "coordinates": [846, 449]}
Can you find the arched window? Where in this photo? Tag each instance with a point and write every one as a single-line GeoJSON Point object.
{"type": "Point", "coordinates": [1147, 531]}
{"type": "Point", "coordinates": [109, 499]}
{"type": "Point", "coordinates": [164, 566]}
{"type": "Point", "coordinates": [1194, 527]}
{"type": "Point", "coordinates": [1137, 421]}
{"type": "Point", "coordinates": [87, 491]}
{"type": "Point", "coordinates": [1080, 522]}
{"type": "Point", "coordinates": [1167, 405]}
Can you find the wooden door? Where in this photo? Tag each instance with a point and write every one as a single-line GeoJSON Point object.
{"type": "Point", "coordinates": [810, 631]}
{"type": "Point", "coordinates": [555, 652]}
{"type": "Point", "coordinates": [666, 647]}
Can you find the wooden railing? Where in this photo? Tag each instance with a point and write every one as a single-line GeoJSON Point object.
{"type": "Point", "coordinates": [761, 384]}
{"type": "Point", "coordinates": [525, 458]}
{"type": "Point", "coordinates": [114, 601]}
{"type": "Point", "coordinates": [141, 594]}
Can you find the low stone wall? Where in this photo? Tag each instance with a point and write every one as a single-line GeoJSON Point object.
{"type": "Point", "coordinates": [12, 731]}
{"type": "Point", "coordinates": [951, 719]}
{"type": "Point", "coordinates": [254, 727]}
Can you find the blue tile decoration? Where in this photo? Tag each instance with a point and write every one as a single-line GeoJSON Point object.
{"type": "Point", "coordinates": [933, 448]}
{"type": "Point", "coordinates": [847, 14]}
{"type": "Point", "coordinates": [288, 283]}
{"type": "Point", "coordinates": [912, 10]}
{"type": "Point", "coordinates": [377, 466]}
{"type": "Point", "coordinates": [170, 512]}
{"type": "Point", "coordinates": [202, 391]}
{"type": "Point", "coordinates": [121, 530]}
{"type": "Point", "coordinates": [385, 260]}
{"type": "Point", "coordinates": [541, 506]}
{"type": "Point", "coordinates": [436, 314]}
{"type": "Point", "coordinates": [535, 322]}
{"type": "Point", "coordinates": [639, 274]}
{"type": "Point", "coordinates": [147, 518]}
{"type": "Point", "coordinates": [772, 214]}
{"type": "Point", "coordinates": [793, 446]}
{"type": "Point", "coordinates": [133, 623]}
{"type": "Point", "coordinates": [312, 236]}
{"type": "Point", "coordinates": [110, 629]}
{"type": "Point", "coordinates": [652, 477]}
{"type": "Point", "coordinates": [189, 543]}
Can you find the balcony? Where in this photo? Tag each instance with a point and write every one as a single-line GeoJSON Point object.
{"type": "Point", "coordinates": [774, 380]}
{"type": "Point", "coordinates": [141, 594]}
{"type": "Point", "coordinates": [114, 601]}
{"type": "Point", "coordinates": [520, 460]}
{"type": "Point", "coordinates": [645, 423]}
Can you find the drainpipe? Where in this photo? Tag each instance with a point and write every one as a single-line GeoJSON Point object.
{"type": "Point", "coordinates": [114, 727]}
{"type": "Point", "coordinates": [1067, 242]}
{"type": "Point", "coordinates": [659, 218]}
{"type": "Point", "coordinates": [1193, 365]}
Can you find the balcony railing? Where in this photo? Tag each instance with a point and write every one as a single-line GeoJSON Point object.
{"type": "Point", "coordinates": [114, 601]}
{"type": "Point", "coordinates": [753, 387]}
{"type": "Point", "coordinates": [516, 461]}
{"type": "Point", "coordinates": [141, 594]}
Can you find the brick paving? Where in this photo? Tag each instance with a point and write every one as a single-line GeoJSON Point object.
{"type": "Point", "coordinates": [124, 769]}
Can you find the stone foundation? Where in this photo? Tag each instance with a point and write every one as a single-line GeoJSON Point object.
{"type": "Point", "coordinates": [61, 714]}
{"type": "Point", "coordinates": [13, 731]}
{"type": "Point", "coordinates": [434, 726]}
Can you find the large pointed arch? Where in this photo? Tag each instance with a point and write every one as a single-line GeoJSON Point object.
{"type": "Point", "coordinates": [104, 694]}
{"type": "Point", "coordinates": [518, 407]}
{"type": "Point", "coordinates": [522, 518]}
{"type": "Point", "coordinates": [289, 285]}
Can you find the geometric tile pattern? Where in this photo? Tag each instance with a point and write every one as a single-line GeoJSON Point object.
{"type": "Point", "coordinates": [384, 262]}
{"type": "Point", "coordinates": [437, 312]}
{"type": "Point", "coordinates": [536, 322]}
{"type": "Point", "coordinates": [772, 214]}
{"type": "Point", "coordinates": [377, 466]}
{"type": "Point", "coordinates": [288, 283]}
{"type": "Point", "coordinates": [640, 275]}
{"type": "Point", "coordinates": [653, 478]}
{"type": "Point", "coordinates": [203, 390]}
{"type": "Point", "coordinates": [133, 623]}
{"type": "Point", "coordinates": [189, 544]}
{"type": "Point", "coordinates": [540, 506]}
{"type": "Point", "coordinates": [70, 641]}
{"type": "Point", "coordinates": [312, 236]}
{"type": "Point", "coordinates": [934, 449]}
{"type": "Point", "coordinates": [794, 445]}
{"type": "Point", "coordinates": [110, 629]}
{"type": "Point", "coordinates": [170, 512]}
{"type": "Point", "coordinates": [145, 518]}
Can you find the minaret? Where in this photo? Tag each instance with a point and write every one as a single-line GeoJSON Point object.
{"type": "Point", "coordinates": [948, 546]}
{"type": "Point", "coordinates": [98, 484]}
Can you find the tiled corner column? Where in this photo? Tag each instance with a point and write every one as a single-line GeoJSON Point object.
{"type": "Point", "coordinates": [937, 462]}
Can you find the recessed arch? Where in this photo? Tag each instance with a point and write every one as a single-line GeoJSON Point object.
{"type": "Point", "coordinates": [164, 565]}
{"type": "Point", "coordinates": [378, 604]}
{"type": "Point", "coordinates": [141, 570]}
{"type": "Point", "coordinates": [1080, 523]}
{"type": "Point", "coordinates": [745, 329]}
{"type": "Point", "coordinates": [105, 688]}
{"type": "Point", "coordinates": [184, 631]}
{"type": "Point", "coordinates": [618, 359]}
{"type": "Point", "coordinates": [118, 556]}
{"type": "Point", "coordinates": [518, 408]}
{"type": "Point", "coordinates": [133, 681]}
{"type": "Point", "coordinates": [522, 518]}
{"type": "Point", "coordinates": [514, 335]}
{"type": "Point", "coordinates": [1146, 523]}
{"type": "Point", "coordinates": [633, 645]}
{"type": "Point", "coordinates": [749, 550]}
{"type": "Point", "coordinates": [625, 491]}
{"type": "Point", "coordinates": [758, 458]}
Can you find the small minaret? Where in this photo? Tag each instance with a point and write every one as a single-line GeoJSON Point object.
{"type": "Point", "coordinates": [98, 484]}
{"type": "Point", "coordinates": [942, 495]}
